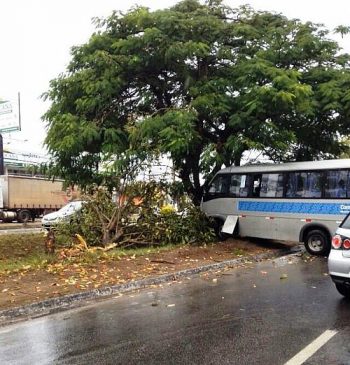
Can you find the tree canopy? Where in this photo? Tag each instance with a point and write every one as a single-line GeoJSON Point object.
{"type": "Point", "coordinates": [201, 83]}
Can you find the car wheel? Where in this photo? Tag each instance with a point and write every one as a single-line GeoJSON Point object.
{"type": "Point", "coordinates": [24, 216]}
{"type": "Point", "coordinates": [317, 243]}
{"type": "Point", "coordinates": [344, 290]}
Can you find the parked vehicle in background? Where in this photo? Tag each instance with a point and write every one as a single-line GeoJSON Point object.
{"type": "Point", "coordinates": [24, 198]}
{"type": "Point", "coordinates": [339, 258]}
{"type": "Point", "coordinates": [65, 214]}
{"type": "Point", "coordinates": [300, 201]}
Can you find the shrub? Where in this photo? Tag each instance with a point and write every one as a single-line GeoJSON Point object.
{"type": "Point", "coordinates": [139, 216]}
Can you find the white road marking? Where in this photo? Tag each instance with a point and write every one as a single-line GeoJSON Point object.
{"type": "Point", "coordinates": [310, 349]}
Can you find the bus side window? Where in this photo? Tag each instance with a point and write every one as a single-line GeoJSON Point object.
{"type": "Point", "coordinates": [295, 185]}
{"type": "Point", "coordinates": [314, 185]}
{"type": "Point", "coordinates": [245, 183]}
{"type": "Point", "coordinates": [256, 185]}
{"type": "Point", "coordinates": [304, 185]}
{"type": "Point", "coordinates": [271, 186]}
{"type": "Point", "coordinates": [235, 185]}
{"type": "Point", "coordinates": [336, 184]}
{"type": "Point", "coordinates": [291, 185]}
{"type": "Point", "coordinates": [239, 186]}
{"type": "Point", "coordinates": [219, 185]}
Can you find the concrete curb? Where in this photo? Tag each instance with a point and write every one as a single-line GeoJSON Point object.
{"type": "Point", "coordinates": [5, 232]}
{"type": "Point", "coordinates": [70, 301]}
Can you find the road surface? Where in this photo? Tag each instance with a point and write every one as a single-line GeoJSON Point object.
{"type": "Point", "coordinates": [270, 313]}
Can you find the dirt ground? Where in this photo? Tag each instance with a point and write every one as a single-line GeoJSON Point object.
{"type": "Point", "coordinates": [29, 285]}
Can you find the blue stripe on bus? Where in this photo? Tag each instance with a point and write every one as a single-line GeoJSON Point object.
{"type": "Point", "coordinates": [294, 207]}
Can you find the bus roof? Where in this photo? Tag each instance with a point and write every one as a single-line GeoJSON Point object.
{"type": "Point", "coordinates": [290, 166]}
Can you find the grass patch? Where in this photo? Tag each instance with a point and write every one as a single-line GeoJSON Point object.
{"type": "Point", "coordinates": [93, 257]}
{"type": "Point", "coordinates": [27, 252]}
{"type": "Point", "coordinates": [238, 251]}
{"type": "Point", "coordinates": [22, 252]}
{"type": "Point", "coordinates": [34, 262]}
{"type": "Point", "coordinates": [15, 246]}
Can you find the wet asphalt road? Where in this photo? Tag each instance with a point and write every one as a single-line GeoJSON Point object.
{"type": "Point", "coordinates": [247, 316]}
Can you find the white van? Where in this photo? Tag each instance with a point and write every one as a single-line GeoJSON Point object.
{"type": "Point", "coordinates": [298, 201]}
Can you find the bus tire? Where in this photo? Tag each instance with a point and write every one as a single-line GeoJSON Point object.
{"type": "Point", "coordinates": [24, 216]}
{"type": "Point", "coordinates": [317, 243]}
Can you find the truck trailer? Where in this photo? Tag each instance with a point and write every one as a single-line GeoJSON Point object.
{"type": "Point", "coordinates": [24, 198]}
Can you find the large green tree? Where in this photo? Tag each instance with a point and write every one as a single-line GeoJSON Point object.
{"type": "Point", "coordinates": [201, 83]}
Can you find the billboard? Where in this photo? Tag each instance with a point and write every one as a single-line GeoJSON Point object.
{"type": "Point", "coordinates": [9, 115]}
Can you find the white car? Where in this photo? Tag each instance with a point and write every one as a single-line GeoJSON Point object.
{"type": "Point", "coordinates": [63, 215]}
{"type": "Point", "coordinates": [339, 258]}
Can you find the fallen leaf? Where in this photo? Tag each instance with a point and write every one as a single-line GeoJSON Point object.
{"type": "Point", "coordinates": [284, 276]}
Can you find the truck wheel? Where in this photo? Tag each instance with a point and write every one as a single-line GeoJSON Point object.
{"type": "Point", "coordinates": [24, 216]}
{"type": "Point", "coordinates": [317, 243]}
{"type": "Point", "coordinates": [344, 290]}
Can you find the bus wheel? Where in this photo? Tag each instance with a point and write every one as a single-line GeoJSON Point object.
{"type": "Point", "coordinates": [317, 243]}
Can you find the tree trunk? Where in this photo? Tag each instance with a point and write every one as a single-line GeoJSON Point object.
{"type": "Point", "coordinates": [237, 158]}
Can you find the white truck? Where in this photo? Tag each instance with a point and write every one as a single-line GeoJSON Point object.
{"type": "Point", "coordinates": [23, 198]}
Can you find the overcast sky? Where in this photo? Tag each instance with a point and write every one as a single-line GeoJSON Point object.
{"type": "Point", "coordinates": [36, 37]}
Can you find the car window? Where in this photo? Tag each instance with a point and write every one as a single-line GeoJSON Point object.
{"type": "Point", "coordinates": [71, 207]}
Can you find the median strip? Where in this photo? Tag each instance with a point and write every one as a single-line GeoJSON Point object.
{"type": "Point", "coordinates": [77, 299]}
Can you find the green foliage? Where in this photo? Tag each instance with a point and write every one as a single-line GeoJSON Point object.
{"type": "Point", "coordinates": [90, 222]}
{"type": "Point", "coordinates": [141, 216]}
{"type": "Point", "coordinates": [170, 227]}
{"type": "Point", "coordinates": [342, 30]}
{"type": "Point", "coordinates": [202, 83]}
